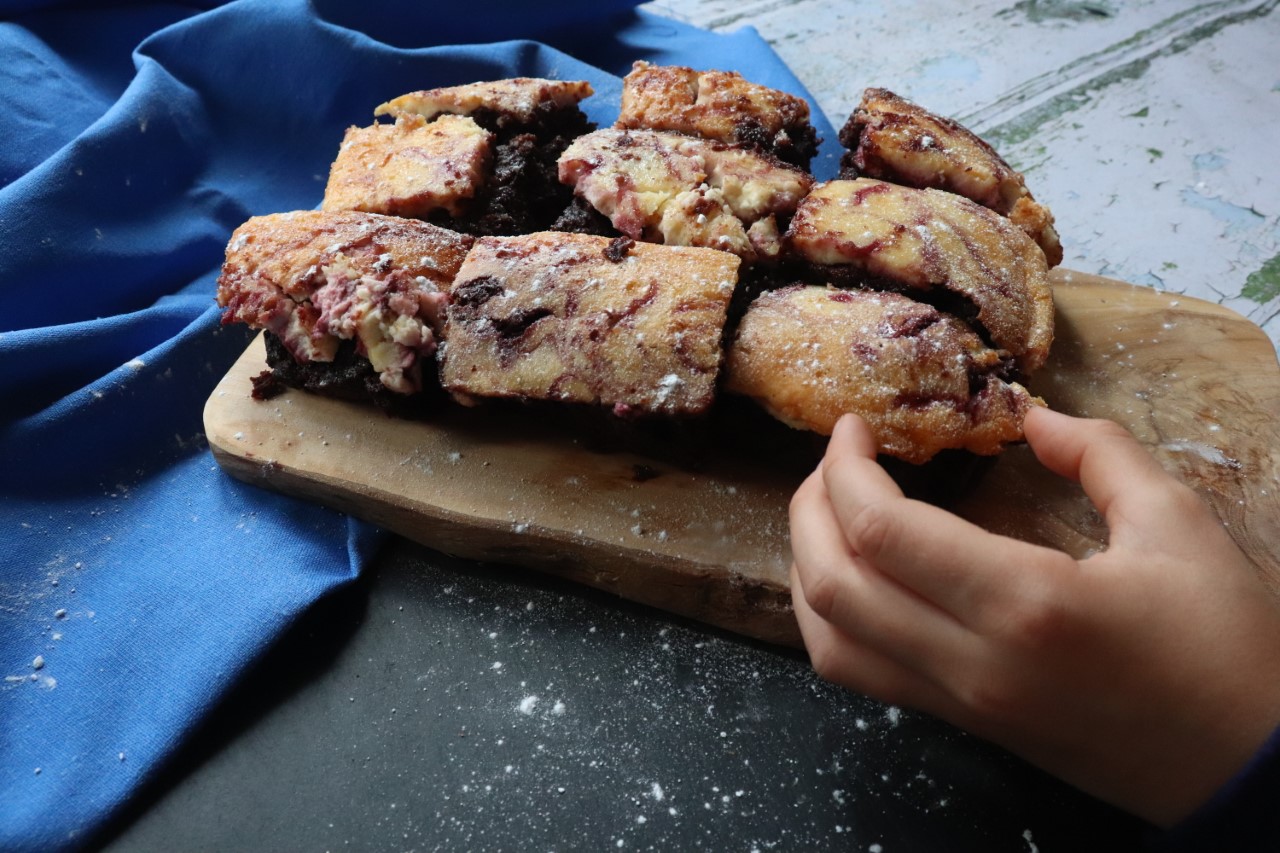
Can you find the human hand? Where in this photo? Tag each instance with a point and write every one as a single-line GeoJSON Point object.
{"type": "Point", "coordinates": [1146, 674]}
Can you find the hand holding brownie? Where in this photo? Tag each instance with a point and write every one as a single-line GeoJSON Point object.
{"type": "Point", "coordinates": [491, 243]}
{"type": "Point", "coordinates": [1146, 674]}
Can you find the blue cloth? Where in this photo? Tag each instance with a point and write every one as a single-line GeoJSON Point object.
{"type": "Point", "coordinates": [138, 582]}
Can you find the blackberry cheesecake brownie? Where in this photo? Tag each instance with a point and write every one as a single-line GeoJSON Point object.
{"type": "Point", "coordinates": [582, 319]}
{"type": "Point", "coordinates": [893, 139]}
{"type": "Point", "coordinates": [720, 106]}
{"type": "Point", "coordinates": [478, 158]}
{"type": "Point", "coordinates": [922, 380]}
{"type": "Point", "coordinates": [412, 168]}
{"type": "Point", "coordinates": [352, 303]}
{"type": "Point", "coordinates": [936, 246]}
{"type": "Point", "coordinates": [639, 270]}
{"type": "Point", "coordinates": [685, 191]}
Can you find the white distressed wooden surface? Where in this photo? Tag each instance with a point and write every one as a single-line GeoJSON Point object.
{"type": "Point", "coordinates": [1150, 127]}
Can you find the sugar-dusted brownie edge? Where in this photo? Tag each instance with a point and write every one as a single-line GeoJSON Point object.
{"type": "Point", "coordinates": [311, 280]}
{"type": "Point", "coordinates": [671, 188]}
{"type": "Point", "coordinates": [922, 380]}
{"type": "Point", "coordinates": [411, 168]}
{"type": "Point", "coordinates": [936, 245]}
{"type": "Point", "coordinates": [580, 318]}
{"type": "Point", "coordinates": [719, 105]}
{"type": "Point", "coordinates": [891, 138]}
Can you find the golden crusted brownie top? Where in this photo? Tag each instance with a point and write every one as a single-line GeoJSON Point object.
{"type": "Point", "coordinates": [922, 239]}
{"type": "Point", "coordinates": [718, 105]}
{"type": "Point", "coordinates": [896, 140]}
{"type": "Point", "coordinates": [314, 278]}
{"type": "Point", "coordinates": [410, 168]}
{"type": "Point", "coordinates": [680, 190]}
{"type": "Point", "coordinates": [922, 380]}
{"type": "Point", "coordinates": [518, 97]}
{"type": "Point", "coordinates": [287, 249]}
{"type": "Point", "coordinates": [579, 318]}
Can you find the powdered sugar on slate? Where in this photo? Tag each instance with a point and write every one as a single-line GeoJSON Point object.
{"type": "Point", "coordinates": [647, 733]}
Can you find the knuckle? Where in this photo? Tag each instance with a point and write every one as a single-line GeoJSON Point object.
{"type": "Point", "coordinates": [1183, 501]}
{"type": "Point", "coordinates": [993, 700]}
{"type": "Point", "coordinates": [1034, 620]}
{"type": "Point", "coordinates": [823, 592]}
{"type": "Point", "coordinates": [1171, 500]}
{"type": "Point", "coordinates": [826, 660]}
{"type": "Point", "coordinates": [873, 529]}
{"type": "Point", "coordinates": [1110, 430]}
{"type": "Point", "coordinates": [834, 457]}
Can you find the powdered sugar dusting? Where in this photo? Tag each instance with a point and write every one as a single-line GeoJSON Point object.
{"type": "Point", "coordinates": [542, 710]}
{"type": "Point", "coordinates": [1207, 452]}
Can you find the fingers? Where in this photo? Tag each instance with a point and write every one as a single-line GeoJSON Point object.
{"type": "Point", "coordinates": [1143, 504]}
{"type": "Point", "coordinates": [863, 603]}
{"type": "Point", "coordinates": [853, 445]}
{"type": "Point", "coordinates": [837, 657]}
{"type": "Point", "coordinates": [954, 565]}
{"type": "Point", "coordinates": [1101, 455]}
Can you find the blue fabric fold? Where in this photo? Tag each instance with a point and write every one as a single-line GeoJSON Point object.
{"type": "Point", "coordinates": [139, 582]}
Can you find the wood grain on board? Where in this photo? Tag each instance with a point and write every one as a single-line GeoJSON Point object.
{"type": "Point", "coordinates": [1197, 383]}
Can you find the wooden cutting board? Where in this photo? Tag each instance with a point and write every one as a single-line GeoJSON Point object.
{"type": "Point", "coordinates": [1197, 383]}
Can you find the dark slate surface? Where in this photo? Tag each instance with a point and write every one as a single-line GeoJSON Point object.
{"type": "Point", "coordinates": [445, 705]}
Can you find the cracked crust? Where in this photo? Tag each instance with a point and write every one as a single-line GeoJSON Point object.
{"type": "Point", "coordinates": [584, 319]}
{"type": "Point", "coordinates": [317, 279]}
{"type": "Point", "coordinates": [718, 105]}
{"type": "Point", "coordinates": [410, 168]}
{"type": "Point", "coordinates": [922, 380]}
{"type": "Point", "coordinates": [479, 158]}
{"type": "Point", "coordinates": [893, 139]}
{"type": "Point", "coordinates": [361, 304]}
{"type": "Point", "coordinates": [929, 240]}
{"type": "Point", "coordinates": [683, 191]}
{"type": "Point", "coordinates": [520, 99]}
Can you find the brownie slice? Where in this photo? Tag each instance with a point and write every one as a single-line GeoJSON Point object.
{"type": "Point", "coordinates": [492, 172]}
{"type": "Point", "coordinates": [507, 107]}
{"type": "Point", "coordinates": [936, 245]}
{"type": "Point", "coordinates": [684, 191]}
{"type": "Point", "coordinates": [922, 380]}
{"type": "Point", "coordinates": [718, 105]}
{"type": "Point", "coordinates": [411, 168]}
{"type": "Point", "coordinates": [893, 139]}
{"type": "Point", "coordinates": [353, 302]}
{"type": "Point", "coordinates": [582, 319]}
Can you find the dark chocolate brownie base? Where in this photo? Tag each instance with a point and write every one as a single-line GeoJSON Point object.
{"type": "Point", "coordinates": [800, 151]}
{"type": "Point", "coordinates": [736, 434]}
{"type": "Point", "coordinates": [524, 193]}
{"type": "Point", "coordinates": [579, 217]}
{"type": "Point", "coordinates": [349, 376]}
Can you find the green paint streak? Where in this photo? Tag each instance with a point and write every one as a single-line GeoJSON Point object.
{"type": "Point", "coordinates": [1263, 285]}
{"type": "Point", "coordinates": [1028, 125]}
{"type": "Point", "coordinates": [1039, 11]}
{"type": "Point", "coordinates": [1168, 265]}
{"type": "Point", "coordinates": [1142, 113]}
{"type": "Point", "coordinates": [1155, 153]}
